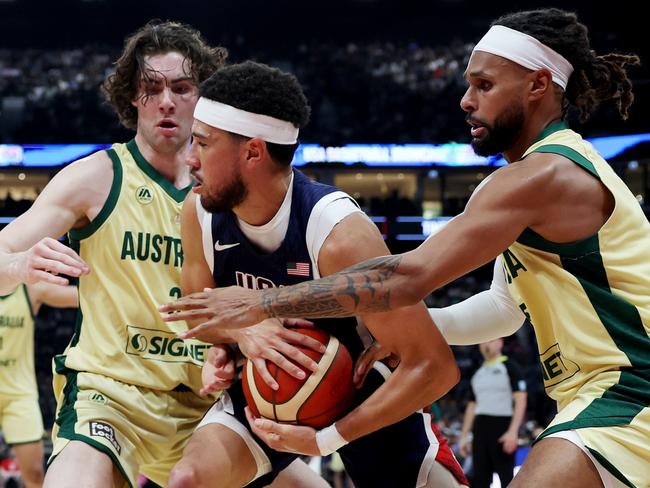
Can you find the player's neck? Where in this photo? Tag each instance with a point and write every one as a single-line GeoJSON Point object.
{"type": "Point", "coordinates": [170, 164]}
{"type": "Point", "coordinates": [266, 192]}
{"type": "Point", "coordinates": [533, 127]}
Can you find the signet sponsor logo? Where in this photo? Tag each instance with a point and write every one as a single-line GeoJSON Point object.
{"type": "Point", "coordinates": [555, 367]}
{"type": "Point", "coordinates": [163, 345]}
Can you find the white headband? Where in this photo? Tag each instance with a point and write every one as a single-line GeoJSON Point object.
{"type": "Point", "coordinates": [249, 124]}
{"type": "Point", "coordinates": [526, 51]}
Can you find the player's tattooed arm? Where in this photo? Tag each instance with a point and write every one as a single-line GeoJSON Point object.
{"type": "Point", "coordinates": [358, 289]}
{"type": "Point", "coordinates": [376, 285]}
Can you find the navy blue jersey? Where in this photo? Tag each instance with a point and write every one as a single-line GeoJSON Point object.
{"type": "Point", "coordinates": [237, 261]}
{"type": "Point", "coordinates": [409, 446]}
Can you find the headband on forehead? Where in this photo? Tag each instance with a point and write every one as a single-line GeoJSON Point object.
{"type": "Point", "coordinates": [249, 124]}
{"type": "Point", "coordinates": [526, 51]}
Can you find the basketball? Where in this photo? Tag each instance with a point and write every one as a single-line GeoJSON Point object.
{"type": "Point", "coordinates": [318, 400]}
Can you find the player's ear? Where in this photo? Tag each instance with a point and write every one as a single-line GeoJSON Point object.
{"type": "Point", "coordinates": [541, 81]}
{"type": "Point", "coordinates": [255, 150]}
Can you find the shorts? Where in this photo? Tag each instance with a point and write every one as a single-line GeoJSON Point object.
{"type": "Point", "coordinates": [21, 420]}
{"type": "Point", "coordinates": [613, 423]}
{"type": "Point", "coordinates": [141, 430]}
{"type": "Point", "coordinates": [608, 479]}
{"type": "Point", "coordinates": [409, 446]}
{"type": "Point", "coordinates": [229, 411]}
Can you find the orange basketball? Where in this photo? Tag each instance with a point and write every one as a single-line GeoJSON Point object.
{"type": "Point", "coordinates": [320, 399]}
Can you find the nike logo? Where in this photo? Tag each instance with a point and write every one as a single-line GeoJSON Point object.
{"type": "Point", "coordinates": [223, 247]}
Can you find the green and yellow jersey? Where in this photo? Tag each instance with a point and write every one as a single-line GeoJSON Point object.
{"type": "Point", "coordinates": [17, 374]}
{"type": "Point", "coordinates": [133, 250]}
{"type": "Point", "coordinates": [589, 302]}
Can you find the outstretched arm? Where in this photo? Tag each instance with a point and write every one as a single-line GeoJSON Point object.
{"type": "Point", "coordinates": [501, 208]}
{"type": "Point", "coordinates": [483, 317]}
{"type": "Point", "coordinates": [494, 217]}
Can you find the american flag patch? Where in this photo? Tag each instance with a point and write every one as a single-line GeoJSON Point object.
{"type": "Point", "coordinates": [298, 269]}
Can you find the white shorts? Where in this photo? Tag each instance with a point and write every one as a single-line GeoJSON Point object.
{"type": "Point", "coordinates": [608, 479]}
{"type": "Point", "coordinates": [223, 412]}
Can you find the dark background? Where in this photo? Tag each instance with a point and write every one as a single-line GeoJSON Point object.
{"type": "Point", "coordinates": [279, 23]}
{"type": "Point", "coordinates": [272, 30]}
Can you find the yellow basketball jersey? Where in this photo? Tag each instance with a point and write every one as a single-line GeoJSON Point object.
{"type": "Point", "coordinates": [17, 375]}
{"type": "Point", "coordinates": [133, 250]}
{"type": "Point", "coordinates": [589, 301]}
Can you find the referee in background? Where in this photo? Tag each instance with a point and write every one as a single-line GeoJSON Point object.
{"type": "Point", "coordinates": [495, 411]}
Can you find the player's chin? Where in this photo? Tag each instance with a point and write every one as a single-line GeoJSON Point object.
{"type": "Point", "coordinates": [168, 132]}
{"type": "Point", "coordinates": [174, 138]}
{"type": "Point", "coordinates": [479, 139]}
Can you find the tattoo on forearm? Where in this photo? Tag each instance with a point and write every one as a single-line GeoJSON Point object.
{"type": "Point", "coordinates": [363, 288]}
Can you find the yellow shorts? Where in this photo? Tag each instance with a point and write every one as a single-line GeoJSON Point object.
{"type": "Point", "coordinates": [141, 430]}
{"type": "Point", "coordinates": [21, 420]}
{"type": "Point", "coordinates": [620, 449]}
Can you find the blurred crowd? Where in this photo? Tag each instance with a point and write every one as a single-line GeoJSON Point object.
{"type": "Point", "coordinates": [54, 97]}
{"type": "Point", "coordinates": [367, 92]}
{"type": "Point", "coordinates": [383, 91]}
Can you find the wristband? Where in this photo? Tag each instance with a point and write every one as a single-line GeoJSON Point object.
{"type": "Point", "coordinates": [329, 440]}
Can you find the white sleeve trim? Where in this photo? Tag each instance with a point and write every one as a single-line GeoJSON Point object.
{"type": "Point", "coordinates": [205, 221]}
{"type": "Point", "coordinates": [483, 317]}
{"type": "Point", "coordinates": [327, 212]}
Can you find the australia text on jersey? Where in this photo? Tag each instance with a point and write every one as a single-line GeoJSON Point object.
{"type": "Point", "coordinates": [147, 246]}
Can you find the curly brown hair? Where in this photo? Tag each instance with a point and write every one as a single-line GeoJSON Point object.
{"type": "Point", "coordinates": [595, 79]}
{"type": "Point", "coordinates": [157, 37]}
